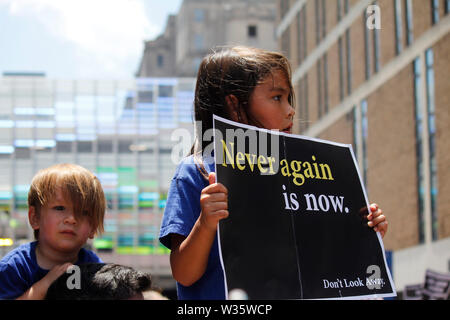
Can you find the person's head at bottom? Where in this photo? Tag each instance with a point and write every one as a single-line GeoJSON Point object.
{"type": "Point", "coordinates": [100, 281]}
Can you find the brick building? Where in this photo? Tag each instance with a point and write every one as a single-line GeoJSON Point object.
{"type": "Point", "coordinates": [385, 89]}
{"type": "Point", "coordinates": [201, 25]}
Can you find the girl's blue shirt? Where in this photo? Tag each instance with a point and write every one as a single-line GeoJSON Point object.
{"type": "Point", "coordinates": [181, 212]}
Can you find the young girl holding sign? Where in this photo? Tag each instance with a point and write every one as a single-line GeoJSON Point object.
{"type": "Point", "coordinates": [246, 85]}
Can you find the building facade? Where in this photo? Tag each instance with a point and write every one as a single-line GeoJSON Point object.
{"type": "Point", "coordinates": [159, 55]}
{"type": "Point", "coordinates": [201, 25]}
{"type": "Point", "coordinates": [120, 130]}
{"type": "Point", "coordinates": [375, 74]}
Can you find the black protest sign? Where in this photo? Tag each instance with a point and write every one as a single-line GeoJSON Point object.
{"type": "Point", "coordinates": [297, 227]}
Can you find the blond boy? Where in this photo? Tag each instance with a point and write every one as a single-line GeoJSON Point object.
{"type": "Point", "coordinates": [66, 208]}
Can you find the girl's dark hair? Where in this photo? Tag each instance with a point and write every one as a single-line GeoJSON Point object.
{"type": "Point", "coordinates": [231, 71]}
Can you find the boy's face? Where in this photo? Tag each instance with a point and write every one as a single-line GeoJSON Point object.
{"type": "Point", "coordinates": [59, 228]}
{"type": "Point", "coordinates": [269, 107]}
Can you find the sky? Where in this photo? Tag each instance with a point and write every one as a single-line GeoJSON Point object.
{"type": "Point", "coordinates": [79, 39]}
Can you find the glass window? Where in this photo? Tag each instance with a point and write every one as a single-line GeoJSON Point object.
{"type": "Point", "coordinates": [45, 143]}
{"type": "Point", "coordinates": [145, 96]}
{"type": "Point", "coordinates": [64, 146]}
{"type": "Point", "coordinates": [105, 146]}
{"type": "Point", "coordinates": [429, 60]}
{"type": "Point", "coordinates": [305, 34]}
{"type": "Point", "coordinates": [199, 15]}
{"type": "Point", "coordinates": [165, 91]}
{"type": "Point", "coordinates": [148, 238]}
{"type": "Point", "coordinates": [365, 134]}
{"type": "Point", "coordinates": [353, 117]}
{"type": "Point", "coordinates": [23, 153]}
{"type": "Point", "coordinates": [339, 10]}
{"type": "Point", "coordinates": [286, 42]}
{"type": "Point", "coordinates": [284, 7]}
{"type": "Point", "coordinates": [165, 151]}
{"type": "Point", "coordinates": [324, 18]}
{"type": "Point", "coordinates": [349, 61]}
{"type": "Point", "coordinates": [198, 42]}
{"type": "Point", "coordinates": [376, 49]}
{"type": "Point", "coordinates": [20, 196]}
{"type": "Point", "coordinates": [319, 88]}
{"type": "Point", "coordinates": [341, 69]}
{"type": "Point", "coordinates": [299, 96]}
{"type": "Point", "coordinates": [125, 240]}
{"type": "Point", "coordinates": [325, 82]}
{"type": "Point", "coordinates": [196, 63]}
{"type": "Point", "coordinates": [419, 129]}
{"type": "Point", "coordinates": [317, 18]}
{"type": "Point", "coordinates": [6, 123]}
{"type": "Point", "coordinates": [6, 149]}
{"type": "Point", "coordinates": [398, 26]}
{"type": "Point", "coordinates": [409, 22]}
{"type": "Point", "coordinates": [301, 32]}
{"type": "Point", "coordinates": [300, 39]}
{"type": "Point", "coordinates": [366, 47]}
{"type": "Point", "coordinates": [124, 146]}
{"type": "Point", "coordinates": [160, 60]}
{"type": "Point", "coordinates": [305, 116]}
{"type": "Point", "coordinates": [25, 143]}
{"type": "Point", "coordinates": [252, 31]}
{"type": "Point", "coordinates": [435, 11]}
{"type": "Point", "coordinates": [84, 146]}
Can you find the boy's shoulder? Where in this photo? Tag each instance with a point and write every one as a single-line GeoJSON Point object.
{"type": "Point", "coordinates": [87, 256]}
{"type": "Point", "coordinates": [23, 254]}
{"type": "Point", "coordinates": [18, 270]}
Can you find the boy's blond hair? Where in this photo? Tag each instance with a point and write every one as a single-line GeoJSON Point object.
{"type": "Point", "coordinates": [77, 184]}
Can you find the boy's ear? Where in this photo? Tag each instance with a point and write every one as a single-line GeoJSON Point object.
{"type": "Point", "coordinates": [92, 234]}
{"type": "Point", "coordinates": [233, 107]}
{"type": "Point", "coordinates": [33, 217]}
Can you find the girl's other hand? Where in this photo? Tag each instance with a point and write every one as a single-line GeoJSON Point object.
{"type": "Point", "coordinates": [214, 203]}
{"type": "Point", "coordinates": [377, 220]}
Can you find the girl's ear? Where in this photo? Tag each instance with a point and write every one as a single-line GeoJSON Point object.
{"type": "Point", "coordinates": [233, 107]}
{"type": "Point", "coordinates": [33, 217]}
